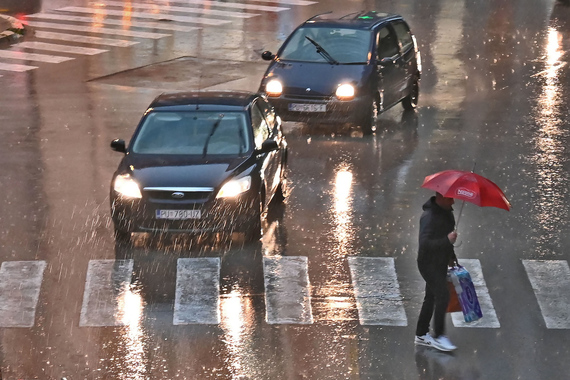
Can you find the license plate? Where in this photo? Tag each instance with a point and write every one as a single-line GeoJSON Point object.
{"type": "Point", "coordinates": [178, 214]}
{"type": "Point", "coordinates": [302, 107]}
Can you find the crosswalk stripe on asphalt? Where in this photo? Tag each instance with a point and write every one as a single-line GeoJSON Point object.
{"type": "Point", "coordinates": [20, 283]}
{"type": "Point", "coordinates": [287, 295]}
{"type": "Point", "coordinates": [37, 45]}
{"type": "Point", "coordinates": [110, 21]}
{"type": "Point", "coordinates": [107, 286]}
{"type": "Point", "coordinates": [255, 7]}
{"type": "Point", "coordinates": [550, 281]}
{"type": "Point", "coordinates": [377, 291]}
{"type": "Point", "coordinates": [23, 56]}
{"type": "Point", "coordinates": [489, 319]}
{"type": "Point", "coordinates": [197, 298]}
{"type": "Point", "coordinates": [84, 39]}
{"type": "Point", "coordinates": [97, 30]}
{"type": "Point", "coordinates": [16, 67]}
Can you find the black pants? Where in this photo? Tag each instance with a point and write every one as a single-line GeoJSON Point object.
{"type": "Point", "coordinates": [435, 301]}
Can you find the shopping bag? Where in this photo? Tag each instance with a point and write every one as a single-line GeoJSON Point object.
{"type": "Point", "coordinates": [454, 304]}
{"type": "Point", "coordinates": [465, 289]}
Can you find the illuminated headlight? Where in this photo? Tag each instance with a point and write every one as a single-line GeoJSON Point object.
{"type": "Point", "coordinates": [235, 187]}
{"type": "Point", "coordinates": [345, 92]}
{"type": "Point", "coordinates": [126, 186]}
{"type": "Point", "coordinates": [274, 88]}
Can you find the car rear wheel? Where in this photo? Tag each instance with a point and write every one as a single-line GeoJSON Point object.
{"type": "Point", "coordinates": [368, 123]}
{"type": "Point", "coordinates": [410, 102]}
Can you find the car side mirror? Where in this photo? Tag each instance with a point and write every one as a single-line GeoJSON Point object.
{"type": "Point", "coordinates": [118, 145]}
{"type": "Point", "coordinates": [268, 145]}
{"type": "Point", "coordinates": [386, 61]}
{"type": "Point", "coordinates": [267, 55]}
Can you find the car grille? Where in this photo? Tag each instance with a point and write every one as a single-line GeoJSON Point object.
{"type": "Point", "coordinates": [179, 194]}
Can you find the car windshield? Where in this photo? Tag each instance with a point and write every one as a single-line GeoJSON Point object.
{"type": "Point", "coordinates": [343, 45]}
{"type": "Point", "coordinates": [193, 133]}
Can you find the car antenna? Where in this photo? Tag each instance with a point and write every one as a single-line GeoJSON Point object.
{"type": "Point", "coordinates": [317, 15]}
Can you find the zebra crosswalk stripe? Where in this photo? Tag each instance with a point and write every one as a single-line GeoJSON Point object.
{"type": "Point", "coordinates": [287, 295]}
{"type": "Point", "coordinates": [16, 67]}
{"type": "Point", "coordinates": [84, 39]}
{"type": "Point", "coordinates": [20, 283]}
{"type": "Point", "coordinates": [377, 291]}
{"type": "Point", "coordinates": [197, 298]}
{"type": "Point", "coordinates": [550, 282]}
{"type": "Point", "coordinates": [19, 55]}
{"type": "Point", "coordinates": [288, 2]}
{"type": "Point", "coordinates": [98, 30]}
{"type": "Point", "coordinates": [107, 286]}
{"type": "Point", "coordinates": [149, 16]}
{"type": "Point", "coordinates": [37, 45]}
{"type": "Point", "coordinates": [489, 319]}
{"type": "Point", "coordinates": [255, 7]}
{"type": "Point", "coordinates": [109, 21]}
{"type": "Point", "coordinates": [170, 8]}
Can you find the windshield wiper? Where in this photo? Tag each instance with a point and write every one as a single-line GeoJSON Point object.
{"type": "Point", "coordinates": [321, 50]}
{"type": "Point", "coordinates": [214, 127]}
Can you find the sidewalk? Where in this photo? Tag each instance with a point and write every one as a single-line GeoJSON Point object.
{"type": "Point", "coordinates": [11, 30]}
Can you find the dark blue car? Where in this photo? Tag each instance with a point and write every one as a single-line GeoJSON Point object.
{"type": "Point", "coordinates": [200, 162]}
{"type": "Point", "coordinates": [344, 70]}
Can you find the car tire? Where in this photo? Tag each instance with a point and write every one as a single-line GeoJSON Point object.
{"type": "Point", "coordinates": [368, 123]}
{"type": "Point", "coordinates": [122, 236]}
{"type": "Point", "coordinates": [410, 102]}
{"type": "Point", "coordinates": [253, 231]}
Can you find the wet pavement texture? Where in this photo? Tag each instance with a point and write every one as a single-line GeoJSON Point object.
{"type": "Point", "coordinates": [493, 90]}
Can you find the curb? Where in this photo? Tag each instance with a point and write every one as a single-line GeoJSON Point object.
{"type": "Point", "coordinates": [14, 32]}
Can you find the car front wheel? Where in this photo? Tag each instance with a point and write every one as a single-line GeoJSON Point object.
{"type": "Point", "coordinates": [253, 231]}
{"type": "Point", "coordinates": [370, 118]}
{"type": "Point", "coordinates": [410, 102]}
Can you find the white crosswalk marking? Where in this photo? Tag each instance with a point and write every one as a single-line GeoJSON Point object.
{"type": "Point", "coordinates": [98, 30]}
{"type": "Point", "coordinates": [16, 67]}
{"type": "Point", "coordinates": [197, 299]}
{"type": "Point", "coordinates": [255, 7]}
{"type": "Point", "coordinates": [110, 21]}
{"type": "Point", "coordinates": [20, 283]}
{"type": "Point", "coordinates": [10, 54]}
{"type": "Point", "coordinates": [149, 16]}
{"type": "Point", "coordinates": [377, 291]}
{"type": "Point", "coordinates": [59, 48]}
{"type": "Point", "coordinates": [170, 8]}
{"type": "Point", "coordinates": [489, 319]}
{"type": "Point", "coordinates": [287, 296]}
{"type": "Point", "coordinates": [84, 39]}
{"type": "Point", "coordinates": [288, 2]}
{"type": "Point", "coordinates": [106, 287]}
{"type": "Point", "coordinates": [550, 281]}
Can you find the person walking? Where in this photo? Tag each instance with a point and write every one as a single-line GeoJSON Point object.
{"type": "Point", "coordinates": [435, 254]}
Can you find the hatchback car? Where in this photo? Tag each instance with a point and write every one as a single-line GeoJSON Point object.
{"type": "Point", "coordinates": [344, 70]}
{"type": "Point", "coordinates": [200, 162]}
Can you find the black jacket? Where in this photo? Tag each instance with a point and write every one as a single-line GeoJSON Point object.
{"type": "Point", "coordinates": [434, 246]}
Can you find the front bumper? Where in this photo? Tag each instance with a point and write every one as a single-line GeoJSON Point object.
{"type": "Point", "coordinates": [337, 111]}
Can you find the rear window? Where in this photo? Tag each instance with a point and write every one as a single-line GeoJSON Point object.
{"type": "Point", "coordinates": [342, 45]}
{"type": "Point", "coordinates": [193, 133]}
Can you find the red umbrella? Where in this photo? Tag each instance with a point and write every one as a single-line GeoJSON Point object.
{"type": "Point", "coordinates": [469, 187]}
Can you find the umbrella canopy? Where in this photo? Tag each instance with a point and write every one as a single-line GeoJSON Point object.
{"type": "Point", "coordinates": [467, 186]}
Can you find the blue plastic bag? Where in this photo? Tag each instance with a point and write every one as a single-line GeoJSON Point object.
{"type": "Point", "coordinates": [465, 289]}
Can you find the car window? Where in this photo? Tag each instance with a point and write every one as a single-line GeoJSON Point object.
{"type": "Point", "coordinates": [260, 128]}
{"type": "Point", "coordinates": [342, 44]}
{"type": "Point", "coordinates": [193, 133]}
{"type": "Point", "coordinates": [267, 111]}
{"type": "Point", "coordinates": [404, 35]}
{"type": "Point", "coordinates": [387, 43]}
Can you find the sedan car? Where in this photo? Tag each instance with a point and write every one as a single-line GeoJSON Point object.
{"type": "Point", "coordinates": [344, 70]}
{"type": "Point", "coordinates": [200, 162]}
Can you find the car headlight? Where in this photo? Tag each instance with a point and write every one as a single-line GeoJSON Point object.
{"type": "Point", "coordinates": [234, 187]}
{"type": "Point", "coordinates": [274, 88]}
{"type": "Point", "coordinates": [126, 186]}
{"type": "Point", "coordinates": [345, 92]}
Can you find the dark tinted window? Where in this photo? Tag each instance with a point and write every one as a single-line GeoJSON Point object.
{"type": "Point", "coordinates": [260, 128]}
{"type": "Point", "coordinates": [387, 43]}
{"type": "Point", "coordinates": [404, 35]}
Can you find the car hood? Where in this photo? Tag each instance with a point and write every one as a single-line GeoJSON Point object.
{"type": "Point", "coordinates": [182, 171]}
{"type": "Point", "coordinates": [322, 79]}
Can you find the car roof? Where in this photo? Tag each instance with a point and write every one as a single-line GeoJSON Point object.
{"type": "Point", "coordinates": [204, 100]}
{"type": "Point", "coordinates": [357, 20]}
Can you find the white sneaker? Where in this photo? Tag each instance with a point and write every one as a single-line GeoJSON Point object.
{"type": "Point", "coordinates": [424, 340]}
{"type": "Point", "coordinates": [443, 343]}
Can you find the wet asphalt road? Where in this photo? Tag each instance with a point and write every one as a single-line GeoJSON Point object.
{"type": "Point", "coordinates": [493, 91]}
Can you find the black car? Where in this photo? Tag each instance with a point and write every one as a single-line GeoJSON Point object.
{"type": "Point", "coordinates": [200, 162]}
{"type": "Point", "coordinates": [344, 70]}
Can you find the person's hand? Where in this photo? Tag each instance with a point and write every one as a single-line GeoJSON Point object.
{"type": "Point", "coordinates": [452, 236]}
